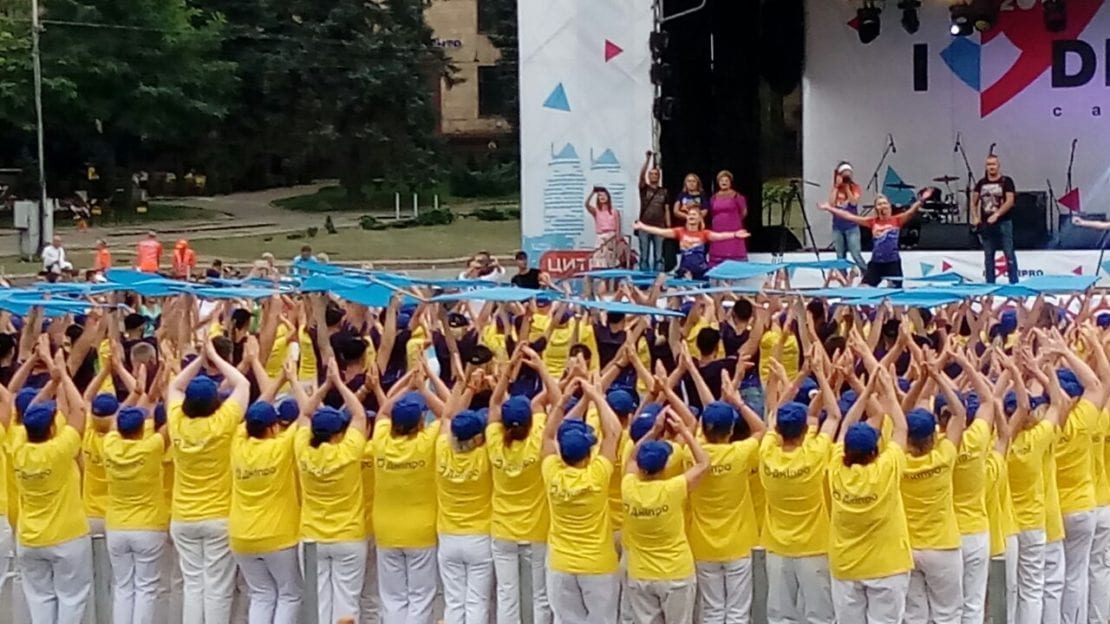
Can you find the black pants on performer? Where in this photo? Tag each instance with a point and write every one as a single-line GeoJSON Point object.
{"type": "Point", "coordinates": [878, 271]}
{"type": "Point", "coordinates": [998, 237]}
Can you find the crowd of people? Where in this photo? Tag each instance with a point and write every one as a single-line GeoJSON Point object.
{"type": "Point", "coordinates": [629, 463]}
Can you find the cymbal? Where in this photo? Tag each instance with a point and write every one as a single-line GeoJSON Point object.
{"type": "Point", "coordinates": [946, 179]}
{"type": "Point", "coordinates": [902, 186]}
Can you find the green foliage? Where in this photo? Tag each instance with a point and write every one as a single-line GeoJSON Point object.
{"type": "Point", "coordinates": [369, 222]}
{"type": "Point", "coordinates": [441, 216]}
{"type": "Point", "coordinates": [491, 180]}
{"type": "Point", "coordinates": [495, 214]}
{"type": "Point", "coordinates": [774, 195]}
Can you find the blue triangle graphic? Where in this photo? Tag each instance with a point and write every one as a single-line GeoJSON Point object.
{"type": "Point", "coordinates": [1106, 266]}
{"type": "Point", "coordinates": [927, 269]}
{"type": "Point", "coordinates": [607, 158]}
{"type": "Point", "coordinates": [558, 99]}
{"type": "Point", "coordinates": [895, 195]}
{"type": "Point", "coordinates": [567, 153]}
{"type": "Point", "coordinates": [790, 270]}
{"type": "Point", "coordinates": [963, 58]}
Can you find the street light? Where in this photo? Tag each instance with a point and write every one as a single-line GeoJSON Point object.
{"type": "Point", "coordinates": [36, 62]}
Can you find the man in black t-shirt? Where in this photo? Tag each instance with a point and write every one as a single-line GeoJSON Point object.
{"type": "Point", "coordinates": [991, 202]}
{"type": "Point", "coordinates": [528, 277]}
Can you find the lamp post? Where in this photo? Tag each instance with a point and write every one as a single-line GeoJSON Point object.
{"type": "Point", "coordinates": [36, 62]}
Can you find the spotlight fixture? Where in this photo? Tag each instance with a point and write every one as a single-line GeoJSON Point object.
{"type": "Point", "coordinates": [910, 21]}
{"type": "Point", "coordinates": [661, 73]}
{"type": "Point", "coordinates": [1055, 15]}
{"type": "Point", "coordinates": [984, 13]}
{"type": "Point", "coordinates": [868, 18]}
{"type": "Point", "coordinates": [664, 108]}
{"type": "Point", "coordinates": [962, 25]}
{"type": "Point", "coordinates": [658, 42]}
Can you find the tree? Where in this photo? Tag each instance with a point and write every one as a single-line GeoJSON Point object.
{"type": "Point", "coordinates": [502, 15]}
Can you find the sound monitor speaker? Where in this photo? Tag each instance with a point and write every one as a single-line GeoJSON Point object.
{"type": "Point", "coordinates": [1030, 218]}
{"type": "Point", "coordinates": [946, 236]}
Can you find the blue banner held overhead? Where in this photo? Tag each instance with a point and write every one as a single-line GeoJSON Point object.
{"type": "Point", "coordinates": [737, 270]}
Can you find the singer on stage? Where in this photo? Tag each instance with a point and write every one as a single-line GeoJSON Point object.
{"type": "Point", "coordinates": [845, 195]}
{"type": "Point", "coordinates": [991, 202]}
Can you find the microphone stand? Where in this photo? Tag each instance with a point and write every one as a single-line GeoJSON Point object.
{"type": "Point", "coordinates": [1071, 162]}
{"type": "Point", "coordinates": [1055, 225]}
{"type": "Point", "coordinates": [970, 176]}
{"type": "Point", "coordinates": [874, 183]}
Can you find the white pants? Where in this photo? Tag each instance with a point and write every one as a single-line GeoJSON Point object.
{"type": "Point", "coordinates": [1079, 534]}
{"type": "Point", "coordinates": [935, 595]}
{"type": "Point", "coordinates": [799, 589]}
{"type": "Point", "coordinates": [663, 602]}
{"type": "Point", "coordinates": [1011, 563]}
{"type": "Point", "coordinates": [368, 601]}
{"type": "Point", "coordinates": [873, 601]}
{"type": "Point", "coordinates": [724, 591]}
{"type": "Point", "coordinates": [1054, 572]}
{"type": "Point", "coordinates": [7, 550]}
{"type": "Point", "coordinates": [171, 586]}
{"type": "Point", "coordinates": [275, 585]}
{"type": "Point", "coordinates": [341, 569]}
{"type": "Point", "coordinates": [1098, 577]}
{"type": "Point", "coordinates": [975, 551]}
{"type": "Point", "coordinates": [507, 560]}
{"type": "Point", "coordinates": [1030, 577]}
{"type": "Point", "coordinates": [207, 568]}
{"type": "Point", "coordinates": [583, 598]}
{"type": "Point", "coordinates": [57, 581]}
{"type": "Point", "coordinates": [407, 583]}
{"type": "Point", "coordinates": [466, 570]}
{"type": "Point", "coordinates": [136, 558]}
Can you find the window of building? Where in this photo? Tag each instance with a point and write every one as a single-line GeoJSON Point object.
{"type": "Point", "coordinates": [487, 16]}
{"type": "Point", "coordinates": [492, 91]}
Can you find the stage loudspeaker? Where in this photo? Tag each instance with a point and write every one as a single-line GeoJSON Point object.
{"type": "Point", "coordinates": [1069, 236]}
{"type": "Point", "coordinates": [946, 237]}
{"type": "Point", "coordinates": [1030, 218]}
{"type": "Point", "coordinates": [772, 238]}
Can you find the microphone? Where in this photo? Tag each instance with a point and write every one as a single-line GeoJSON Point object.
{"type": "Point", "coordinates": [991, 151]}
{"type": "Point", "coordinates": [956, 147]}
{"type": "Point", "coordinates": [893, 147]}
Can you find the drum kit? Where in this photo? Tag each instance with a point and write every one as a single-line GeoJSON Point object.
{"type": "Point", "coordinates": [941, 207]}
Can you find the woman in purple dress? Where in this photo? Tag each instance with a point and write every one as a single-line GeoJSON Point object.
{"type": "Point", "coordinates": [728, 209]}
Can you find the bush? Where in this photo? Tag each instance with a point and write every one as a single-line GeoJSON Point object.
{"type": "Point", "coordinates": [369, 222]}
{"type": "Point", "coordinates": [441, 216]}
{"type": "Point", "coordinates": [312, 231]}
{"type": "Point", "coordinates": [495, 214]}
{"type": "Point", "coordinates": [490, 180]}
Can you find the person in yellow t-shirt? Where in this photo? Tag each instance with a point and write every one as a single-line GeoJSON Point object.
{"type": "Point", "coordinates": [583, 583]}
{"type": "Point", "coordinates": [661, 579]}
{"type": "Point", "coordinates": [519, 520]}
{"type": "Point", "coordinates": [54, 548]}
{"type": "Point", "coordinates": [201, 428]}
{"type": "Point", "coordinates": [794, 457]}
{"type": "Point", "coordinates": [329, 455]}
{"type": "Point", "coordinates": [94, 483]}
{"type": "Point", "coordinates": [1098, 606]}
{"type": "Point", "coordinates": [935, 593]}
{"type": "Point", "coordinates": [869, 546]}
{"type": "Point", "coordinates": [137, 513]}
{"type": "Point", "coordinates": [264, 525]}
{"type": "Point", "coordinates": [405, 507]}
{"type": "Point", "coordinates": [463, 492]}
{"type": "Point", "coordinates": [722, 519]}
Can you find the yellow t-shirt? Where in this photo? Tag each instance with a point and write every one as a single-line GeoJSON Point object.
{"type": "Point", "coordinates": [136, 500]}
{"type": "Point", "coordinates": [306, 366]}
{"type": "Point", "coordinates": [1000, 511]}
{"type": "Point", "coordinates": [49, 488]}
{"type": "Point", "coordinates": [495, 341]}
{"type": "Point", "coordinates": [265, 516]}
{"type": "Point", "coordinates": [927, 498]}
{"type": "Point", "coordinates": [969, 479]}
{"type": "Point", "coordinates": [463, 489]}
{"type": "Point", "coordinates": [1053, 519]}
{"type": "Point", "coordinates": [616, 501]}
{"type": "Point", "coordinates": [1101, 443]}
{"type": "Point", "coordinates": [368, 487]}
{"type": "Point", "coordinates": [654, 533]}
{"type": "Point", "coordinates": [581, 537]}
{"type": "Point", "coordinates": [280, 352]}
{"type": "Point", "coordinates": [722, 523]}
{"type": "Point", "coordinates": [868, 535]}
{"type": "Point", "coordinates": [557, 351]}
{"type": "Point", "coordinates": [331, 487]}
{"type": "Point", "coordinates": [797, 521]}
{"type": "Point", "coordinates": [404, 487]}
{"type": "Point", "coordinates": [791, 354]}
{"type": "Point", "coordinates": [94, 483]}
{"type": "Point", "coordinates": [202, 461]}
{"type": "Point", "coordinates": [1025, 469]}
{"type": "Point", "coordinates": [1075, 468]}
{"type": "Point", "coordinates": [519, 505]}
{"type": "Point", "coordinates": [692, 335]}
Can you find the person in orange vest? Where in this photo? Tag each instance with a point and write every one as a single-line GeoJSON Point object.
{"type": "Point", "coordinates": [149, 252]}
{"type": "Point", "coordinates": [184, 260]}
{"type": "Point", "coordinates": [103, 260]}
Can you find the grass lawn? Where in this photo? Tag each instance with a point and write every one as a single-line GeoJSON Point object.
{"type": "Point", "coordinates": [461, 238]}
{"type": "Point", "coordinates": [334, 199]}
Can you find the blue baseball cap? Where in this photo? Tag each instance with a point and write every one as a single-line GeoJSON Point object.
{"type": "Point", "coordinates": [971, 404]}
{"type": "Point", "coordinates": [38, 418]}
{"type": "Point", "coordinates": [622, 402]}
{"type": "Point", "coordinates": [575, 424]}
{"type": "Point", "coordinates": [790, 420]}
{"type": "Point", "coordinates": [261, 414]}
{"type": "Point", "coordinates": [806, 391]}
{"type": "Point", "coordinates": [940, 403]}
{"type": "Point", "coordinates": [467, 425]}
{"type": "Point", "coordinates": [1010, 402]}
{"type": "Point", "coordinates": [575, 443]}
{"type": "Point", "coordinates": [1037, 401]}
{"type": "Point", "coordinates": [652, 456]}
{"type": "Point", "coordinates": [651, 409]}
{"type": "Point", "coordinates": [1069, 382]}
{"type": "Point", "coordinates": [517, 411]}
{"type": "Point", "coordinates": [718, 415]}
{"type": "Point", "coordinates": [903, 384]}
{"type": "Point", "coordinates": [1008, 322]}
{"type": "Point", "coordinates": [159, 415]}
{"type": "Point", "coordinates": [921, 423]}
{"type": "Point", "coordinates": [409, 409]}
{"type": "Point", "coordinates": [23, 399]}
{"type": "Point", "coordinates": [202, 388]}
{"type": "Point", "coordinates": [861, 438]}
{"type": "Point", "coordinates": [640, 426]}
{"type": "Point", "coordinates": [288, 410]}
{"type": "Point", "coordinates": [847, 400]}
{"type": "Point", "coordinates": [327, 421]}
{"type": "Point", "coordinates": [104, 404]}
{"type": "Point", "coordinates": [130, 419]}
{"type": "Point", "coordinates": [1103, 320]}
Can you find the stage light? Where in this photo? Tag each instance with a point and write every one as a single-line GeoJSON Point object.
{"type": "Point", "coordinates": [985, 13]}
{"type": "Point", "coordinates": [1055, 15]}
{"type": "Point", "coordinates": [658, 42]}
{"type": "Point", "coordinates": [661, 73]}
{"type": "Point", "coordinates": [962, 25]}
{"type": "Point", "coordinates": [664, 108]}
{"type": "Point", "coordinates": [910, 21]}
{"type": "Point", "coordinates": [868, 18]}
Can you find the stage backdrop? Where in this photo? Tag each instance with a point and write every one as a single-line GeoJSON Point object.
{"type": "Point", "coordinates": [1030, 91]}
{"type": "Point", "coordinates": [585, 115]}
